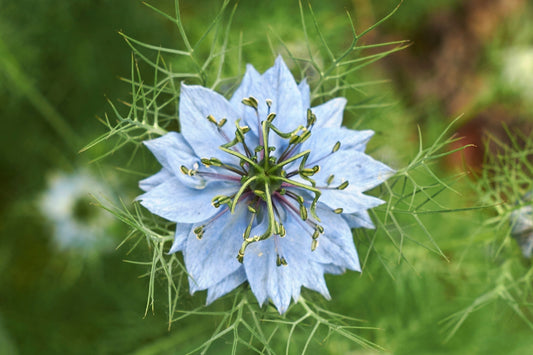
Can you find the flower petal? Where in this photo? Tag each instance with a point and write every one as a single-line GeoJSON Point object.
{"type": "Point", "coordinates": [172, 151]}
{"type": "Point", "coordinates": [329, 114]}
{"type": "Point", "coordinates": [252, 85]}
{"type": "Point", "coordinates": [180, 237]}
{"type": "Point", "coordinates": [281, 283]}
{"type": "Point", "coordinates": [305, 93]}
{"type": "Point", "coordinates": [359, 219]}
{"type": "Point", "coordinates": [360, 170]}
{"type": "Point", "coordinates": [155, 180]}
{"type": "Point", "coordinates": [214, 257]}
{"type": "Point", "coordinates": [178, 203]}
{"type": "Point", "coordinates": [333, 269]}
{"type": "Point", "coordinates": [336, 245]}
{"type": "Point", "coordinates": [287, 100]}
{"type": "Point", "coordinates": [196, 103]}
{"type": "Point", "coordinates": [230, 282]}
{"type": "Point", "coordinates": [322, 141]}
{"type": "Point", "coordinates": [350, 200]}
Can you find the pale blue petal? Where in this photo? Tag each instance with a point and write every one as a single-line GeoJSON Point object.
{"type": "Point", "coordinates": [305, 93]}
{"type": "Point", "coordinates": [229, 283]}
{"type": "Point", "coordinates": [155, 180]}
{"type": "Point", "coordinates": [196, 103]}
{"type": "Point", "coordinates": [287, 100]}
{"type": "Point", "coordinates": [359, 219]}
{"type": "Point", "coordinates": [350, 200]}
{"type": "Point", "coordinates": [172, 151]}
{"type": "Point", "coordinates": [329, 114]}
{"type": "Point", "coordinates": [360, 170]}
{"type": "Point", "coordinates": [180, 237]}
{"type": "Point", "coordinates": [214, 257]}
{"type": "Point", "coordinates": [333, 269]}
{"type": "Point", "coordinates": [252, 85]}
{"type": "Point", "coordinates": [335, 245]}
{"type": "Point", "coordinates": [178, 203]}
{"type": "Point", "coordinates": [281, 283]}
{"type": "Point", "coordinates": [322, 141]}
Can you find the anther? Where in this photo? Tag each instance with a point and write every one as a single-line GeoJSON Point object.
{"type": "Point", "coordinates": [311, 118]}
{"type": "Point", "coordinates": [314, 244]}
{"type": "Point", "coordinates": [215, 162]}
{"type": "Point", "coordinates": [260, 194]}
{"type": "Point", "coordinates": [343, 185]}
{"type": "Point", "coordinates": [222, 123]}
{"type": "Point", "coordinates": [309, 171]}
{"type": "Point", "coordinates": [280, 260]}
{"type": "Point", "coordinates": [219, 200]}
{"type": "Point", "coordinates": [336, 147]}
{"type": "Point", "coordinates": [212, 119]}
{"type": "Point", "coordinates": [282, 232]}
{"type": "Point", "coordinates": [199, 231]}
{"type": "Point", "coordinates": [269, 103]}
{"type": "Point", "coordinates": [184, 170]}
{"type": "Point", "coordinates": [316, 234]}
{"type": "Point", "coordinates": [303, 213]}
{"type": "Point", "coordinates": [250, 101]}
{"type": "Point", "coordinates": [330, 179]}
{"type": "Point", "coordinates": [338, 210]}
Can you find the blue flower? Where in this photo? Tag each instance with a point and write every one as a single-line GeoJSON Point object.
{"type": "Point", "coordinates": [263, 188]}
{"type": "Point", "coordinates": [521, 220]}
{"type": "Point", "coordinates": [78, 226]}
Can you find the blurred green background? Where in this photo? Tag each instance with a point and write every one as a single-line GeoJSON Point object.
{"type": "Point", "coordinates": [58, 61]}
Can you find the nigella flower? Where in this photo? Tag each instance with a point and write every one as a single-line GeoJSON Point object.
{"type": "Point", "coordinates": [78, 225]}
{"type": "Point", "coordinates": [263, 188]}
{"type": "Point", "coordinates": [521, 220]}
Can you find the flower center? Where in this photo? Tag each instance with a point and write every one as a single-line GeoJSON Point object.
{"type": "Point", "coordinates": [264, 177]}
{"type": "Point", "coordinates": [265, 186]}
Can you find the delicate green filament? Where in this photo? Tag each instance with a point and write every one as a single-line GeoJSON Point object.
{"type": "Point", "coordinates": [290, 160]}
{"type": "Point", "coordinates": [243, 188]}
{"type": "Point", "coordinates": [240, 156]}
{"type": "Point", "coordinates": [307, 187]}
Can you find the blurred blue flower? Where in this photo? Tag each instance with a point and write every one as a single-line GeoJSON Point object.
{"type": "Point", "coordinates": [79, 226]}
{"type": "Point", "coordinates": [521, 220]}
{"type": "Point", "coordinates": [253, 191]}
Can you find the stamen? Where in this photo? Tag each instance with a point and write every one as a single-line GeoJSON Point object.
{"type": "Point", "coordinates": [251, 101]}
{"type": "Point", "coordinates": [244, 186]}
{"type": "Point", "coordinates": [222, 122]}
{"type": "Point", "coordinates": [219, 200]}
{"type": "Point", "coordinates": [311, 118]}
{"type": "Point", "coordinates": [314, 244]}
{"type": "Point", "coordinates": [343, 185]}
{"type": "Point", "coordinates": [212, 119]}
{"type": "Point", "coordinates": [338, 210]}
{"type": "Point", "coordinates": [187, 171]}
{"type": "Point", "coordinates": [336, 147]}
{"type": "Point", "coordinates": [280, 260]}
{"type": "Point", "coordinates": [199, 231]}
